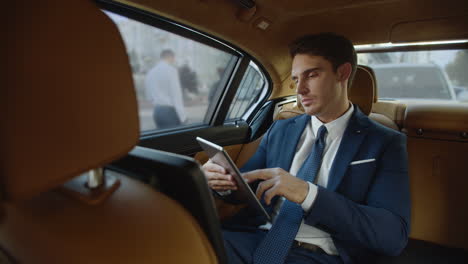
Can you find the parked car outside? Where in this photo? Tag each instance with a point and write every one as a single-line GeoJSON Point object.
{"type": "Point", "coordinates": [413, 81]}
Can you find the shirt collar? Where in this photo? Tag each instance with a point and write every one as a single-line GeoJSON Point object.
{"type": "Point", "coordinates": [336, 127]}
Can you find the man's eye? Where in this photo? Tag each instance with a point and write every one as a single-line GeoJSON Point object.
{"type": "Point", "coordinates": [312, 75]}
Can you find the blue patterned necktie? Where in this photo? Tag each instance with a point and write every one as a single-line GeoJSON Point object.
{"type": "Point", "coordinates": [275, 246]}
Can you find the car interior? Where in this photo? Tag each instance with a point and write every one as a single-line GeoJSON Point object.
{"type": "Point", "coordinates": [87, 176]}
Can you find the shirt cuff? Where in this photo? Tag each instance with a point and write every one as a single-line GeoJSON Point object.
{"type": "Point", "coordinates": [310, 198]}
{"type": "Point", "coordinates": [224, 193]}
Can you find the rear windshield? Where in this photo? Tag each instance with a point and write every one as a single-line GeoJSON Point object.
{"type": "Point", "coordinates": [412, 82]}
{"type": "Point", "coordinates": [421, 75]}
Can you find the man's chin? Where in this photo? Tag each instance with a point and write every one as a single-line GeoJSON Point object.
{"type": "Point", "coordinates": [311, 110]}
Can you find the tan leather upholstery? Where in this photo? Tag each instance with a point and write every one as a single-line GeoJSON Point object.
{"type": "Point", "coordinates": [71, 106]}
{"type": "Point", "coordinates": [393, 110]}
{"type": "Point", "coordinates": [135, 225]}
{"type": "Point", "coordinates": [448, 121]}
{"type": "Point", "coordinates": [289, 110]}
{"type": "Point", "coordinates": [445, 28]}
{"type": "Point", "coordinates": [438, 163]}
{"type": "Point", "coordinates": [379, 118]}
{"type": "Point", "coordinates": [247, 151]}
{"type": "Point", "coordinates": [438, 182]}
{"type": "Point", "coordinates": [68, 107]}
{"type": "Point", "coordinates": [363, 90]}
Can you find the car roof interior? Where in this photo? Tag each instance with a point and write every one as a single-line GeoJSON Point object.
{"type": "Point", "coordinates": [71, 110]}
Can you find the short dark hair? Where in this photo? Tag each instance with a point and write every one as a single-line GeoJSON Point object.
{"type": "Point", "coordinates": [167, 53]}
{"type": "Point", "coordinates": [335, 48]}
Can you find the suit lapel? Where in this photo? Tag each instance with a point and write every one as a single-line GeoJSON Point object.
{"type": "Point", "coordinates": [293, 134]}
{"type": "Point", "coordinates": [353, 136]}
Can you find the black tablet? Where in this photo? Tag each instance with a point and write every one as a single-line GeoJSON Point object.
{"type": "Point", "coordinates": [219, 156]}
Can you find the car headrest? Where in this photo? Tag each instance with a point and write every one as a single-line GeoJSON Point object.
{"type": "Point", "coordinates": [363, 93]}
{"type": "Point", "coordinates": [363, 89]}
{"type": "Point", "coordinates": [68, 92]}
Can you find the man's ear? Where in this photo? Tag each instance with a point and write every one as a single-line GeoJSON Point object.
{"type": "Point", "coordinates": [344, 71]}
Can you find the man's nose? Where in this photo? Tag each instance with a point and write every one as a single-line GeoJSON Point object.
{"type": "Point", "coordinates": [301, 87]}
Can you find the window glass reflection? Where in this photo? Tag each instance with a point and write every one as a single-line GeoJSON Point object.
{"type": "Point", "coordinates": [174, 76]}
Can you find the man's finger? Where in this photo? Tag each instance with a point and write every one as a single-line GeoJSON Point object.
{"type": "Point", "coordinates": [219, 176]}
{"type": "Point", "coordinates": [210, 166]}
{"type": "Point", "coordinates": [222, 183]}
{"type": "Point", "coordinates": [264, 186]}
{"type": "Point", "coordinates": [263, 174]}
{"type": "Point", "coordinates": [270, 193]}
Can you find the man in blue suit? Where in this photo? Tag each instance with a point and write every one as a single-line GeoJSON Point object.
{"type": "Point", "coordinates": [335, 182]}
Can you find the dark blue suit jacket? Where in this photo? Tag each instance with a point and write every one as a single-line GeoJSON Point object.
{"type": "Point", "coordinates": [365, 207]}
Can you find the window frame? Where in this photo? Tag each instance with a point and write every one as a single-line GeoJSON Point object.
{"type": "Point", "coordinates": [217, 112]}
{"type": "Point", "coordinates": [402, 48]}
{"type": "Point", "coordinates": [247, 115]}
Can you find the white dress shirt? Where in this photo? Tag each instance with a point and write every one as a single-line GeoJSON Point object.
{"type": "Point", "coordinates": [163, 88]}
{"type": "Point", "coordinates": [336, 128]}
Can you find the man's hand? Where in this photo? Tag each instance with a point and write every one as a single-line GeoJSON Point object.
{"type": "Point", "coordinates": [217, 177]}
{"type": "Point", "coordinates": [278, 182]}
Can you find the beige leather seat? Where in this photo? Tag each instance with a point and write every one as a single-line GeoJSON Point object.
{"type": "Point", "coordinates": [363, 93]}
{"type": "Point", "coordinates": [70, 107]}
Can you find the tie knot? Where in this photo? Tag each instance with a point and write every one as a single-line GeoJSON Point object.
{"type": "Point", "coordinates": [321, 133]}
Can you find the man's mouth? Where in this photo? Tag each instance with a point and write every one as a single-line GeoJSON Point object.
{"type": "Point", "coordinates": [307, 101]}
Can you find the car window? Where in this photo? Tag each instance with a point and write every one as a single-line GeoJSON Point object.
{"type": "Point", "coordinates": [174, 76]}
{"type": "Point", "coordinates": [249, 93]}
{"type": "Point", "coordinates": [421, 75]}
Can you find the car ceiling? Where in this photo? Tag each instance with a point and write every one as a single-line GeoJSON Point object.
{"type": "Point", "coordinates": [363, 21]}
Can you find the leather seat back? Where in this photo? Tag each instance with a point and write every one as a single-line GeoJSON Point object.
{"type": "Point", "coordinates": [437, 150]}
{"type": "Point", "coordinates": [363, 89]}
{"type": "Point", "coordinates": [70, 106]}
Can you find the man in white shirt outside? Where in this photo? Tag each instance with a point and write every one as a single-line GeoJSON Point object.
{"type": "Point", "coordinates": [164, 90]}
{"type": "Point", "coordinates": [328, 177]}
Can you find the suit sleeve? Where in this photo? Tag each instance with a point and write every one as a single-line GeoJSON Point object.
{"type": "Point", "coordinates": [382, 222]}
